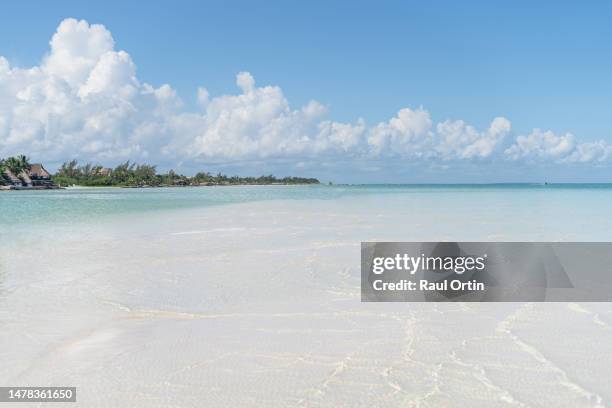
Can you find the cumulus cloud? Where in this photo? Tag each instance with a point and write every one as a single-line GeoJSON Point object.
{"type": "Point", "coordinates": [547, 146]}
{"type": "Point", "coordinates": [599, 152]}
{"type": "Point", "coordinates": [459, 140]}
{"type": "Point", "coordinates": [541, 144]}
{"type": "Point", "coordinates": [408, 134]}
{"type": "Point", "coordinates": [85, 100]}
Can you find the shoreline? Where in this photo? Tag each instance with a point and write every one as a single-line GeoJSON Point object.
{"type": "Point", "coordinates": [20, 188]}
{"type": "Point", "coordinates": [217, 185]}
{"type": "Point", "coordinates": [39, 188]}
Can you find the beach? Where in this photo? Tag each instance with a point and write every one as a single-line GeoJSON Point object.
{"type": "Point", "coordinates": [249, 296]}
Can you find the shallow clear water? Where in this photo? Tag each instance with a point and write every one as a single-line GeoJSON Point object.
{"type": "Point", "coordinates": [24, 207]}
{"type": "Point", "coordinates": [498, 212]}
{"type": "Point", "coordinates": [173, 297]}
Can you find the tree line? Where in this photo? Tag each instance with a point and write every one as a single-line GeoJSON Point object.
{"type": "Point", "coordinates": [129, 174]}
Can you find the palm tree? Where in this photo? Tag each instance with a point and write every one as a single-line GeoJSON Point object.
{"type": "Point", "coordinates": [17, 164]}
{"type": "Point", "coordinates": [24, 163]}
{"type": "Point", "coordinates": [13, 165]}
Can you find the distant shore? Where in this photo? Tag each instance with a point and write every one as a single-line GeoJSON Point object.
{"type": "Point", "coordinates": [211, 185]}
{"type": "Point", "coordinates": [56, 187]}
{"type": "Point", "coordinates": [18, 173]}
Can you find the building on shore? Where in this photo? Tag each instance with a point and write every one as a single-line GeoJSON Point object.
{"type": "Point", "coordinates": [104, 171]}
{"type": "Point", "coordinates": [39, 176]}
{"type": "Point", "coordinates": [36, 177]}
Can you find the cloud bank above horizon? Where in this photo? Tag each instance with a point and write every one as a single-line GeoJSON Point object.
{"type": "Point", "coordinates": [85, 101]}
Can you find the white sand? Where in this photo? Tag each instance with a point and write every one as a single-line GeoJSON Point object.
{"type": "Point", "coordinates": [258, 305]}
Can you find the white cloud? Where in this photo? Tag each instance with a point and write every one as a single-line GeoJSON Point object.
{"type": "Point", "coordinates": [459, 140]}
{"type": "Point", "coordinates": [408, 134]}
{"type": "Point", "coordinates": [412, 134]}
{"type": "Point", "coordinates": [76, 48]}
{"type": "Point", "coordinates": [202, 97]}
{"type": "Point", "coordinates": [546, 146]}
{"type": "Point", "coordinates": [4, 65]}
{"type": "Point", "coordinates": [84, 100]}
{"type": "Point", "coordinates": [598, 152]}
{"type": "Point", "coordinates": [542, 145]}
{"type": "Point", "coordinates": [246, 82]}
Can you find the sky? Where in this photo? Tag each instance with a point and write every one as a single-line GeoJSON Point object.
{"type": "Point", "coordinates": [344, 91]}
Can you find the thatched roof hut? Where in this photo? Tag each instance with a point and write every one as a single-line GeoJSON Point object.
{"type": "Point", "coordinates": [37, 177]}
{"type": "Point", "coordinates": [38, 172]}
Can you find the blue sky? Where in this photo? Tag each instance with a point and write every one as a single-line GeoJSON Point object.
{"type": "Point", "coordinates": [544, 65]}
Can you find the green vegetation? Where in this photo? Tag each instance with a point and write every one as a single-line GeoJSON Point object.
{"type": "Point", "coordinates": [124, 175]}
{"type": "Point", "coordinates": [143, 175]}
{"type": "Point", "coordinates": [16, 165]}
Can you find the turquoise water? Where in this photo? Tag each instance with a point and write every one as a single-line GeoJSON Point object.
{"type": "Point", "coordinates": [20, 210]}
{"type": "Point", "coordinates": [27, 207]}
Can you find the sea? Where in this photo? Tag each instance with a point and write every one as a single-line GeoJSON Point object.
{"type": "Point", "coordinates": [587, 206]}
